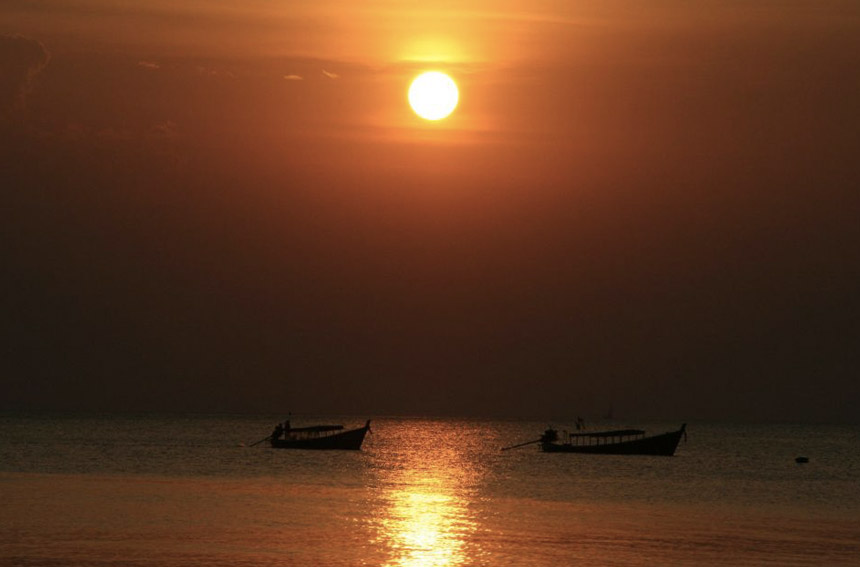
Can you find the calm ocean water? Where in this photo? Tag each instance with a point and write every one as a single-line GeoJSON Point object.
{"type": "Point", "coordinates": [150, 490]}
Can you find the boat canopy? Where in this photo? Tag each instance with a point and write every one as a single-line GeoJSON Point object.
{"type": "Point", "coordinates": [616, 433]}
{"type": "Point", "coordinates": [315, 429]}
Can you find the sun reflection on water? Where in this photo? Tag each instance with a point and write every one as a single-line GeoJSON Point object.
{"type": "Point", "coordinates": [428, 519]}
{"type": "Point", "coordinates": [425, 528]}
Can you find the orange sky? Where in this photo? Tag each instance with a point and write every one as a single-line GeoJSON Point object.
{"type": "Point", "coordinates": [538, 75]}
{"type": "Point", "coordinates": [629, 196]}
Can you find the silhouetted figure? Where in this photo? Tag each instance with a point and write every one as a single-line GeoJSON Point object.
{"type": "Point", "coordinates": [549, 436]}
{"type": "Point", "coordinates": [279, 430]}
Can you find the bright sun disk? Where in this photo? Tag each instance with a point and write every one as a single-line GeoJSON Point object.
{"type": "Point", "coordinates": [433, 95]}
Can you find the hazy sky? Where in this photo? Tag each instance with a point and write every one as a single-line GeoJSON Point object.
{"type": "Point", "coordinates": [229, 206]}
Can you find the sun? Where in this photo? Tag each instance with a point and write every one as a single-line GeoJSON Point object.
{"type": "Point", "coordinates": [433, 95]}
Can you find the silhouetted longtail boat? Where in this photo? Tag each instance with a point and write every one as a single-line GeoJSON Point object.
{"type": "Point", "coordinates": [318, 437]}
{"type": "Point", "coordinates": [617, 442]}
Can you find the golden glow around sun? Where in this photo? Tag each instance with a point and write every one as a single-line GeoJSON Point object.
{"type": "Point", "coordinates": [433, 95]}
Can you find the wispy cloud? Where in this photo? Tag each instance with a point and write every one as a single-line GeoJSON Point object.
{"type": "Point", "coordinates": [21, 59]}
{"type": "Point", "coordinates": [205, 71]}
{"type": "Point", "coordinates": [165, 129]}
{"type": "Point", "coordinates": [149, 65]}
{"type": "Point", "coordinates": [294, 77]}
{"type": "Point", "coordinates": [330, 75]}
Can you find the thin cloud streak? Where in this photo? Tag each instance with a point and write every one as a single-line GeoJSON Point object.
{"type": "Point", "coordinates": [21, 60]}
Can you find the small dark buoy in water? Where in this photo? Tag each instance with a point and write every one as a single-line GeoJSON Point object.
{"type": "Point", "coordinates": [801, 460]}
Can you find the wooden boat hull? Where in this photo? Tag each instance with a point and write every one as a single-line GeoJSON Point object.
{"type": "Point", "coordinates": [345, 441]}
{"type": "Point", "coordinates": [661, 445]}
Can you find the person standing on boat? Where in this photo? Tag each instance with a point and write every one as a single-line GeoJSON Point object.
{"type": "Point", "coordinates": [279, 430]}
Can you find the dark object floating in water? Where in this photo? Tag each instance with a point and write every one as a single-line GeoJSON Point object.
{"type": "Point", "coordinates": [801, 460]}
{"type": "Point", "coordinates": [617, 442]}
{"type": "Point", "coordinates": [318, 437]}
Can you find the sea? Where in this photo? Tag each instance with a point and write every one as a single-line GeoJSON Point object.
{"type": "Point", "coordinates": [148, 490]}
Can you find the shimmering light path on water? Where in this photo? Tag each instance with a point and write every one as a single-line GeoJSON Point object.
{"type": "Point", "coordinates": [165, 491]}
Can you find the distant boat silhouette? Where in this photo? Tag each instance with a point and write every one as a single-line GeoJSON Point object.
{"type": "Point", "coordinates": [617, 442]}
{"type": "Point", "coordinates": [319, 437]}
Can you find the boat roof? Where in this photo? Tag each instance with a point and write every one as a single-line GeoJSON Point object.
{"type": "Point", "coordinates": [316, 428]}
{"type": "Point", "coordinates": [614, 433]}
